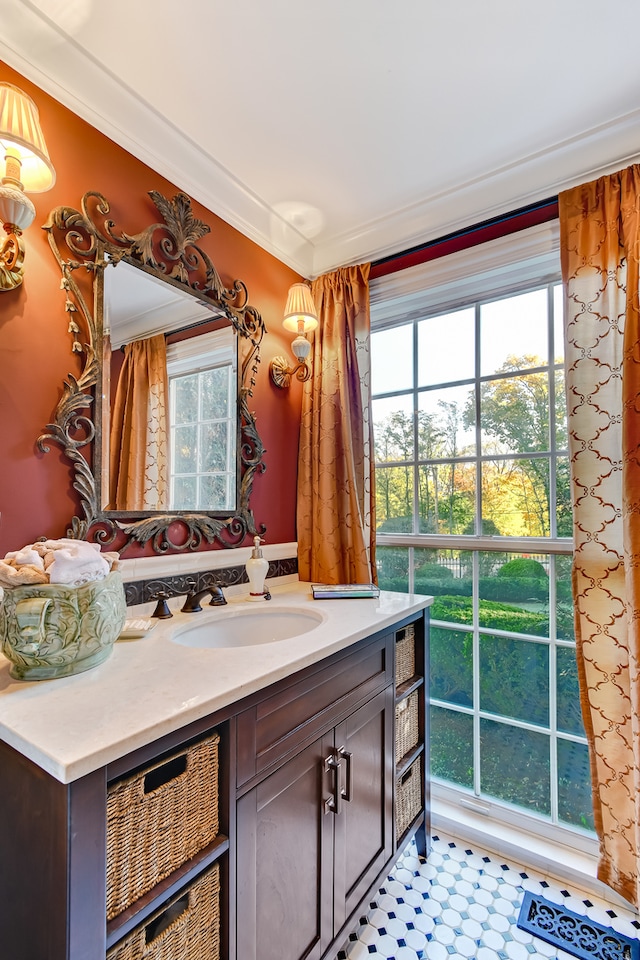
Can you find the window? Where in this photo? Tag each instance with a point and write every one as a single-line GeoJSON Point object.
{"type": "Point", "coordinates": [474, 508]}
{"type": "Point", "coordinates": [202, 399]}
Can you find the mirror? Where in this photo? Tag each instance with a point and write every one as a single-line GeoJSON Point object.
{"type": "Point", "coordinates": [187, 292]}
{"type": "Point", "coordinates": [192, 426]}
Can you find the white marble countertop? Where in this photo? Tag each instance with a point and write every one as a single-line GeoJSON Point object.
{"type": "Point", "coordinates": [152, 686]}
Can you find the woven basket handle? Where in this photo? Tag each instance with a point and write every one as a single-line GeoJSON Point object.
{"type": "Point", "coordinates": [176, 914]}
{"type": "Point", "coordinates": [162, 774]}
{"type": "Point", "coordinates": [407, 775]}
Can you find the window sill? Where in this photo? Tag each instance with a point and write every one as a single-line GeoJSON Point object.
{"type": "Point", "coordinates": [563, 855]}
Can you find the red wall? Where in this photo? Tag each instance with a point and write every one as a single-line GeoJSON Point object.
{"type": "Point", "coordinates": [36, 497]}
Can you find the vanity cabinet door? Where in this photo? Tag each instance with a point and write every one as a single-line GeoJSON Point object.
{"type": "Point", "coordinates": [285, 860]}
{"type": "Point", "coordinates": [364, 824]}
{"type": "Point", "coordinates": [313, 836]}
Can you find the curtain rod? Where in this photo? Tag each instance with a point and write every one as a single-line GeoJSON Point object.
{"type": "Point", "coordinates": [195, 325]}
{"type": "Point", "coordinates": [502, 225]}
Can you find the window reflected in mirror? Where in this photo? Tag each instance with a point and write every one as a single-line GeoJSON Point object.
{"type": "Point", "coordinates": [202, 422]}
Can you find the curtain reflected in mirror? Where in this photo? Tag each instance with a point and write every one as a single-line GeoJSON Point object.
{"type": "Point", "coordinates": [173, 425]}
{"type": "Point", "coordinates": [138, 461]}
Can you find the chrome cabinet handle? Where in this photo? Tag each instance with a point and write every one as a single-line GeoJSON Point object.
{"type": "Point", "coordinates": [347, 794]}
{"type": "Point", "coordinates": [333, 803]}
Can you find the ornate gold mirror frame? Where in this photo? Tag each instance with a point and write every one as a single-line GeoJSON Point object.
{"type": "Point", "coordinates": [168, 250]}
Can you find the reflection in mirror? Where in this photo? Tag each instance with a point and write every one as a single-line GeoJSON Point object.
{"type": "Point", "coordinates": [202, 422]}
{"type": "Point", "coordinates": [181, 454]}
{"type": "Point", "coordinates": [138, 304]}
{"type": "Point", "coordinates": [209, 440]}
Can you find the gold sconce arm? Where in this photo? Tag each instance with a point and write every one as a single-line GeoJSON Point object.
{"type": "Point", "coordinates": [281, 372]}
{"type": "Point", "coordinates": [11, 258]}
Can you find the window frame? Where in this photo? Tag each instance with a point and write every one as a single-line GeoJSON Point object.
{"type": "Point", "coordinates": [500, 268]}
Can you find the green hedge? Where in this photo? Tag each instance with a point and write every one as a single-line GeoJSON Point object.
{"type": "Point", "coordinates": [433, 571]}
{"type": "Point", "coordinates": [500, 616]}
{"type": "Point", "coordinates": [501, 589]}
{"type": "Point", "coordinates": [523, 567]}
{"type": "Point", "coordinates": [517, 589]}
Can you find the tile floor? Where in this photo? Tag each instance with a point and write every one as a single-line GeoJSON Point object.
{"type": "Point", "coordinates": [464, 903]}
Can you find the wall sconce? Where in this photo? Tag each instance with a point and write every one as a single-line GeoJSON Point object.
{"type": "Point", "coordinates": [29, 168]}
{"type": "Point", "coordinates": [299, 317]}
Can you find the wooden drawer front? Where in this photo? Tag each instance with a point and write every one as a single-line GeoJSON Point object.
{"type": "Point", "coordinates": [313, 699]}
{"type": "Point", "coordinates": [159, 818]}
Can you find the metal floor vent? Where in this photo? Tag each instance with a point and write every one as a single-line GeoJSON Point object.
{"type": "Point", "coordinates": [572, 933]}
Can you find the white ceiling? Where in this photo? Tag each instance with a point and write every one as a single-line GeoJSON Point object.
{"type": "Point", "coordinates": [346, 130]}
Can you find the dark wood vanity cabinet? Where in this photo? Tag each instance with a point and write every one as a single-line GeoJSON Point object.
{"type": "Point", "coordinates": [308, 789]}
{"type": "Point", "coordinates": [313, 836]}
{"type": "Point", "coordinates": [317, 775]}
{"type": "Point", "coordinates": [52, 877]}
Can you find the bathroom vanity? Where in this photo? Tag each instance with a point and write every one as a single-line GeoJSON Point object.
{"type": "Point", "coordinates": [226, 786]}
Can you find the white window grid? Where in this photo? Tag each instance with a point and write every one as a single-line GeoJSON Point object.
{"type": "Point", "coordinates": [501, 269]}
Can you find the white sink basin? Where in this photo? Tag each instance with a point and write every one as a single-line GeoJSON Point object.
{"type": "Point", "coordinates": [247, 626]}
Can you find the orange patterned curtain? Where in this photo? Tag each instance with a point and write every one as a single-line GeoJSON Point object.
{"type": "Point", "coordinates": [138, 468]}
{"type": "Point", "coordinates": [600, 240]}
{"type": "Point", "coordinates": [336, 497]}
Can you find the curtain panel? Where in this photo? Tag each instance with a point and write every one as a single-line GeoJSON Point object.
{"type": "Point", "coordinates": [600, 237]}
{"type": "Point", "coordinates": [138, 464]}
{"type": "Point", "coordinates": [336, 496]}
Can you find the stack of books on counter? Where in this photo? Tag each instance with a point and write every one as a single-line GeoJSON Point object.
{"type": "Point", "coordinates": [340, 591]}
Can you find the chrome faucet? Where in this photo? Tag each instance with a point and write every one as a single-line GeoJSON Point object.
{"type": "Point", "coordinates": [192, 602]}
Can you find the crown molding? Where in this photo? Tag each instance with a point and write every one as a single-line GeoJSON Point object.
{"type": "Point", "coordinates": [596, 152]}
{"type": "Point", "coordinates": [83, 85]}
{"type": "Point", "coordinates": [42, 52]}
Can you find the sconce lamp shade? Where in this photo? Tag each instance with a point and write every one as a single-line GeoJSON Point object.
{"type": "Point", "coordinates": [300, 308]}
{"type": "Point", "coordinates": [21, 137]}
{"type": "Point", "coordinates": [27, 169]}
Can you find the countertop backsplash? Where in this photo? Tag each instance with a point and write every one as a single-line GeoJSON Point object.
{"type": "Point", "coordinates": [147, 577]}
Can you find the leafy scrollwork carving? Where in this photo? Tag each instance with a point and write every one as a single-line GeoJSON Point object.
{"type": "Point", "coordinates": [85, 242]}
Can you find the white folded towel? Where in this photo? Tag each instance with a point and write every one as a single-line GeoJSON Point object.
{"type": "Point", "coordinates": [64, 561]}
{"type": "Point", "coordinates": [74, 561]}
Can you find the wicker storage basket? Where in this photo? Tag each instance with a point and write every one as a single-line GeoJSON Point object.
{"type": "Point", "coordinates": [158, 819]}
{"type": "Point", "coordinates": [407, 725]}
{"type": "Point", "coordinates": [187, 929]}
{"type": "Point", "coordinates": [405, 654]}
{"type": "Point", "coordinates": [408, 797]}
